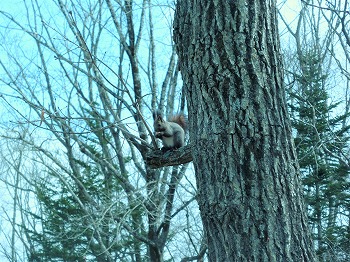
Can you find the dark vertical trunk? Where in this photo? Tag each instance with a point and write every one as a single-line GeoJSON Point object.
{"type": "Point", "coordinates": [246, 168]}
{"type": "Point", "coordinates": [154, 251]}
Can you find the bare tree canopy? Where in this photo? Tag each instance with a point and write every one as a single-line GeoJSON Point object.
{"type": "Point", "coordinates": [81, 84]}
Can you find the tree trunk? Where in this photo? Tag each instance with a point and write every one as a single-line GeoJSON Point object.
{"type": "Point", "coordinates": [246, 168]}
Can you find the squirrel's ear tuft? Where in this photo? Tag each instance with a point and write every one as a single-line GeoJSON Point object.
{"type": "Point", "coordinates": [157, 115]}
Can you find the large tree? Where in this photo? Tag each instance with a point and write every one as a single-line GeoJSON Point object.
{"type": "Point", "coordinates": [246, 167]}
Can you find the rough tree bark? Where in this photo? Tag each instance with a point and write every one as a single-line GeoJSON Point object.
{"type": "Point", "coordinates": [246, 168]}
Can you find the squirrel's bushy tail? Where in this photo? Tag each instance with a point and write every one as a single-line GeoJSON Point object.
{"type": "Point", "coordinates": [179, 119]}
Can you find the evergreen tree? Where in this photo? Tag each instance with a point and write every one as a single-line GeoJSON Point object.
{"type": "Point", "coordinates": [67, 233]}
{"type": "Point", "coordinates": [320, 136]}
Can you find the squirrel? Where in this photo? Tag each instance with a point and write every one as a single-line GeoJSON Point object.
{"type": "Point", "coordinates": [171, 132]}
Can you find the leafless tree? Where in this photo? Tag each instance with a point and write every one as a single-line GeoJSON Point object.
{"type": "Point", "coordinates": [83, 79]}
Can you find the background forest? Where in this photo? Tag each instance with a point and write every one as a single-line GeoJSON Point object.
{"type": "Point", "coordinates": [79, 81]}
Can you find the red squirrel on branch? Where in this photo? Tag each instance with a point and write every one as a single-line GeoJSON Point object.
{"type": "Point", "coordinates": [171, 132]}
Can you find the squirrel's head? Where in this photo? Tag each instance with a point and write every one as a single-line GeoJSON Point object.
{"type": "Point", "coordinates": [158, 120]}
